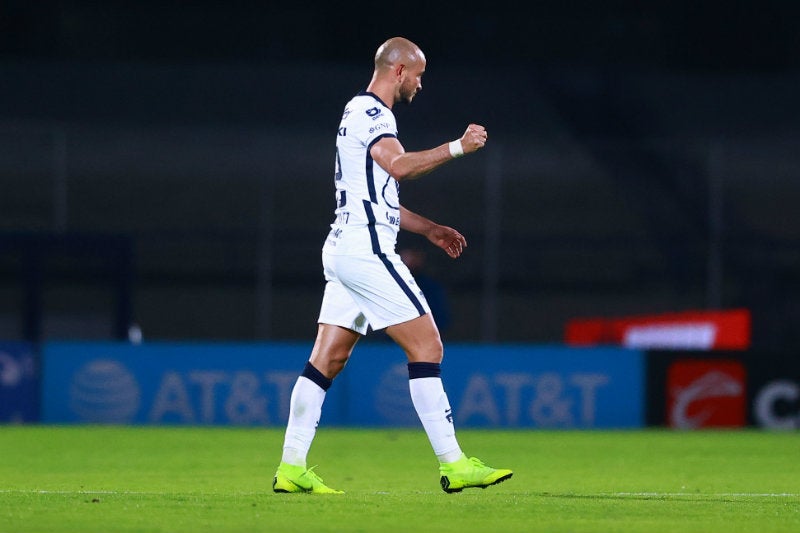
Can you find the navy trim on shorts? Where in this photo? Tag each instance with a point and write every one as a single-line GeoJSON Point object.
{"type": "Point", "coordinates": [376, 249]}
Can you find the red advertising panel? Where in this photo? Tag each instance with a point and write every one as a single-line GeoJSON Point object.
{"type": "Point", "coordinates": [687, 330]}
{"type": "Point", "coordinates": [704, 393]}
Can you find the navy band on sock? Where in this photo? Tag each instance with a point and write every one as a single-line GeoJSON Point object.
{"type": "Point", "coordinates": [424, 370]}
{"type": "Point", "coordinates": [316, 376]}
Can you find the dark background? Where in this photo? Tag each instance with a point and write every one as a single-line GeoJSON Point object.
{"type": "Point", "coordinates": [168, 164]}
{"type": "Point", "coordinates": [710, 35]}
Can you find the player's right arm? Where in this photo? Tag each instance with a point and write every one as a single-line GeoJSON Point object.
{"type": "Point", "coordinates": [402, 165]}
{"type": "Point", "coordinates": [446, 238]}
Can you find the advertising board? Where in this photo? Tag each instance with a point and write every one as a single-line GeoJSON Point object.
{"type": "Point", "coordinates": [727, 389]}
{"type": "Point", "coordinates": [250, 384]}
{"type": "Point", "coordinates": [19, 383]}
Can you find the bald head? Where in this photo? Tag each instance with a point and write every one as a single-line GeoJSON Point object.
{"type": "Point", "coordinates": [396, 51]}
{"type": "Point", "coordinates": [399, 66]}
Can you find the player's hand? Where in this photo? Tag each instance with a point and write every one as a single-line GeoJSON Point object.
{"type": "Point", "coordinates": [448, 239]}
{"type": "Point", "coordinates": [474, 138]}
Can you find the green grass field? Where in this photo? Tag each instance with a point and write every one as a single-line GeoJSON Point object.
{"type": "Point", "coordinates": [107, 479]}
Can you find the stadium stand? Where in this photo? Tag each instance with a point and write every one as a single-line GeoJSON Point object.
{"type": "Point", "coordinates": [603, 200]}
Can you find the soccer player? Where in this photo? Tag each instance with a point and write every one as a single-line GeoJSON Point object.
{"type": "Point", "coordinates": [367, 283]}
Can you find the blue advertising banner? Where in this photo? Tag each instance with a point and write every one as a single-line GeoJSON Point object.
{"type": "Point", "coordinates": [508, 386]}
{"type": "Point", "coordinates": [170, 383]}
{"type": "Point", "coordinates": [250, 384]}
{"type": "Point", "coordinates": [19, 383]}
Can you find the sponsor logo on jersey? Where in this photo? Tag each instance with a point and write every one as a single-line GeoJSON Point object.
{"type": "Point", "coordinates": [379, 127]}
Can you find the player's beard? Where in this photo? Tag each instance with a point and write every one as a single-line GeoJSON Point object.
{"type": "Point", "coordinates": [406, 95]}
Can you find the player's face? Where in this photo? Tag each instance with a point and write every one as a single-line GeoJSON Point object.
{"type": "Point", "coordinates": [412, 82]}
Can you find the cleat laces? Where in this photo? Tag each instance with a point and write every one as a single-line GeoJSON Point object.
{"type": "Point", "coordinates": [312, 476]}
{"type": "Point", "coordinates": [474, 461]}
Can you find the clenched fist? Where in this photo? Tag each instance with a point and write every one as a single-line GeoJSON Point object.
{"type": "Point", "coordinates": [474, 138]}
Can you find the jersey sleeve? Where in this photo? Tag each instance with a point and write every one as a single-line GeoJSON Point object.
{"type": "Point", "coordinates": [377, 122]}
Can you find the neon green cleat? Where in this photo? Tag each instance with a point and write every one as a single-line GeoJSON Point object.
{"type": "Point", "coordinates": [291, 478]}
{"type": "Point", "coordinates": [471, 472]}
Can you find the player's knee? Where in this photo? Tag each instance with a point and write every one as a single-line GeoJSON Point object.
{"type": "Point", "coordinates": [437, 349]}
{"type": "Point", "coordinates": [431, 351]}
{"type": "Point", "coordinates": [434, 348]}
{"type": "Point", "coordinates": [331, 361]}
{"type": "Point", "coordinates": [337, 359]}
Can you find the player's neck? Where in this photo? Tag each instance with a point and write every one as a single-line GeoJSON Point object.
{"type": "Point", "coordinates": [383, 91]}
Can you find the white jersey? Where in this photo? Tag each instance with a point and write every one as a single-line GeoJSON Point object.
{"type": "Point", "coordinates": [367, 216]}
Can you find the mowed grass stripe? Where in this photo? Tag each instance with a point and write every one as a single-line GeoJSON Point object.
{"type": "Point", "coordinates": [138, 479]}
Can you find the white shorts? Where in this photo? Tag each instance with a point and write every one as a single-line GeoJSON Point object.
{"type": "Point", "coordinates": [369, 290]}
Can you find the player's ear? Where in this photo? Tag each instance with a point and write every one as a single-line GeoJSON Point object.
{"type": "Point", "coordinates": [398, 71]}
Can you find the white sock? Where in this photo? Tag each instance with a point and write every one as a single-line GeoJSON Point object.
{"type": "Point", "coordinates": [434, 412]}
{"type": "Point", "coordinates": [305, 409]}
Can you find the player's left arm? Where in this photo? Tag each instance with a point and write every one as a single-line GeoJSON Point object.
{"type": "Point", "coordinates": [446, 238]}
{"type": "Point", "coordinates": [402, 165]}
